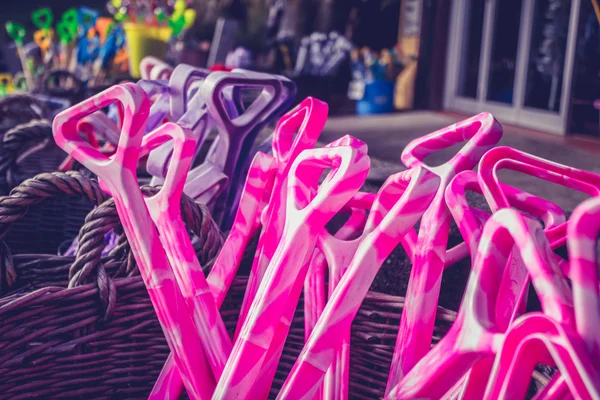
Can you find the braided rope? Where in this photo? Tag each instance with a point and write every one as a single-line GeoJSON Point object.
{"type": "Point", "coordinates": [103, 219]}
{"type": "Point", "coordinates": [32, 192]}
{"type": "Point", "coordinates": [20, 142]}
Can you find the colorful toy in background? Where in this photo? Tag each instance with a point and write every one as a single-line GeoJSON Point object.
{"type": "Point", "coordinates": [373, 75]}
{"type": "Point", "coordinates": [82, 43]}
{"type": "Point", "coordinates": [92, 47]}
{"type": "Point", "coordinates": [149, 26]}
{"type": "Point", "coordinates": [6, 84]}
{"type": "Point", "coordinates": [322, 54]}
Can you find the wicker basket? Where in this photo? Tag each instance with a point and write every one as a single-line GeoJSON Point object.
{"type": "Point", "coordinates": [100, 337]}
{"type": "Point", "coordinates": [27, 150]}
{"type": "Point", "coordinates": [83, 326]}
{"type": "Point", "coordinates": [19, 108]}
{"type": "Point", "coordinates": [62, 83]}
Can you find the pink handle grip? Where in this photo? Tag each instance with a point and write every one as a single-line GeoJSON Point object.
{"type": "Point", "coordinates": [118, 173]}
{"type": "Point", "coordinates": [306, 121]}
{"type": "Point", "coordinates": [298, 130]}
{"type": "Point", "coordinates": [474, 335]}
{"type": "Point", "coordinates": [275, 350]}
{"type": "Point", "coordinates": [255, 194]}
{"type": "Point", "coordinates": [154, 68]}
{"type": "Point", "coordinates": [470, 222]}
{"type": "Point", "coordinates": [509, 158]}
{"type": "Point", "coordinates": [66, 135]}
{"type": "Point", "coordinates": [307, 215]}
{"type": "Point", "coordinates": [164, 208]}
{"type": "Point", "coordinates": [482, 132]}
{"type": "Point", "coordinates": [399, 204]}
{"type": "Point", "coordinates": [536, 338]}
{"type": "Point", "coordinates": [417, 321]}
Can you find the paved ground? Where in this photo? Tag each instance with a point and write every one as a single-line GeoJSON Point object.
{"type": "Point", "coordinates": [388, 135]}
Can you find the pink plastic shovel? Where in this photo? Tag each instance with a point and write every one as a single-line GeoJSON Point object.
{"type": "Point", "coordinates": [583, 231]}
{"type": "Point", "coordinates": [165, 211]}
{"type": "Point", "coordinates": [475, 334]}
{"type": "Point", "coordinates": [269, 367]}
{"type": "Point", "coordinates": [536, 338]}
{"type": "Point", "coordinates": [398, 206]}
{"type": "Point", "coordinates": [256, 193]}
{"type": "Point", "coordinates": [470, 222]}
{"type": "Point", "coordinates": [119, 175]}
{"type": "Point", "coordinates": [154, 68]}
{"type": "Point", "coordinates": [418, 317]}
{"type": "Point", "coordinates": [307, 213]}
{"type": "Point", "coordinates": [336, 253]}
{"type": "Point", "coordinates": [509, 158]}
{"type": "Point", "coordinates": [296, 131]}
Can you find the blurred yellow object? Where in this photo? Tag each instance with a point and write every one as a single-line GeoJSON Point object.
{"type": "Point", "coordinates": [6, 80]}
{"type": "Point", "coordinates": [145, 40]}
{"type": "Point", "coordinates": [43, 39]}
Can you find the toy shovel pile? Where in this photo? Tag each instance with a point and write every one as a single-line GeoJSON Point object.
{"type": "Point", "coordinates": [290, 196]}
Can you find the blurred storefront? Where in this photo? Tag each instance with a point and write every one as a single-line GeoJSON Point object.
{"type": "Point", "coordinates": [522, 60]}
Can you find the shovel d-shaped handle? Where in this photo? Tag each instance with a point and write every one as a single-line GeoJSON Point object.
{"type": "Point", "coordinates": [184, 146]}
{"type": "Point", "coordinates": [287, 94]}
{"type": "Point", "coordinates": [481, 132]}
{"type": "Point", "coordinates": [470, 220]}
{"type": "Point", "coordinates": [516, 160]}
{"type": "Point", "coordinates": [218, 82]}
{"type": "Point", "coordinates": [458, 351]}
{"type": "Point", "coordinates": [86, 17]}
{"type": "Point", "coordinates": [16, 32]}
{"type": "Point", "coordinates": [182, 77]}
{"type": "Point", "coordinates": [149, 64]}
{"type": "Point", "coordinates": [136, 108]}
{"type": "Point", "coordinates": [299, 130]}
{"type": "Point", "coordinates": [535, 338]}
{"type": "Point", "coordinates": [42, 18]}
{"type": "Point", "coordinates": [308, 212]}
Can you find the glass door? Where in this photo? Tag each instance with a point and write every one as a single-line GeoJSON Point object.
{"type": "Point", "coordinates": [512, 58]}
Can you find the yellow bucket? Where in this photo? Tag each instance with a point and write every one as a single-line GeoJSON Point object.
{"type": "Point", "coordinates": [145, 40]}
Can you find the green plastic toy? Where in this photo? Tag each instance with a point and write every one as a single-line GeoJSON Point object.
{"type": "Point", "coordinates": [16, 32]}
{"type": "Point", "coordinates": [69, 18]}
{"type": "Point", "coordinates": [181, 18]}
{"type": "Point", "coordinates": [119, 11]}
{"type": "Point", "coordinates": [65, 33]}
{"type": "Point", "coordinates": [43, 18]}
